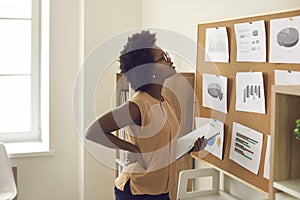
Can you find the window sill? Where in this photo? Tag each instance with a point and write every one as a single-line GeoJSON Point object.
{"type": "Point", "coordinates": [28, 149]}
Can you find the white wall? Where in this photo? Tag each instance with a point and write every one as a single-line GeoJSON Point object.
{"type": "Point", "coordinates": [56, 176]}
{"type": "Point", "coordinates": [63, 176]}
{"type": "Point", "coordinates": [183, 16]}
{"type": "Point", "coordinates": [102, 20]}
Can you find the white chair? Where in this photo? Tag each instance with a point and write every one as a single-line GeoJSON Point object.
{"type": "Point", "coordinates": [212, 194]}
{"type": "Point", "coordinates": [8, 188]}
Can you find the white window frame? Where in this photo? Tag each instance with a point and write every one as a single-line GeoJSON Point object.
{"type": "Point", "coordinates": [36, 142]}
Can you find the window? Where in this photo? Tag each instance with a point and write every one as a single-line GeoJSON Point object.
{"type": "Point", "coordinates": [24, 50]}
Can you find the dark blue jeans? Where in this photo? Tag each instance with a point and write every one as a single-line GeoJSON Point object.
{"type": "Point", "coordinates": [127, 195]}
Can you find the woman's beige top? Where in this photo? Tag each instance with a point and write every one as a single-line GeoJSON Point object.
{"type": "Point", "coordinates": [156, 138]}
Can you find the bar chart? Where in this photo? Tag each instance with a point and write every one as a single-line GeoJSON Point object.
{"type": "Point", "coordinates": [246, 146]}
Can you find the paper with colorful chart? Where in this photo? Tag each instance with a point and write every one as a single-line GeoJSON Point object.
{"type": "Point", "coordinates": [214, 145]}
{"type": "Point", "coordinates": [216, 45]}
{"type": "Point", "coordinates": [284, 40]}
{"type": "Point", "coordinates": [214, 92]}
{"type": "Point", "coordinates": [185, 143]}
{"type": "Point", "coordinates": [246, 147]}
{"type": "Point", "coordinates": [250, 94]}
{"type": "Point", "coordinates": [251, 41]}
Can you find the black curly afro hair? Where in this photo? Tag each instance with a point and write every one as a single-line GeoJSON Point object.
{"type": "Point", "coordinates": [137, 52]}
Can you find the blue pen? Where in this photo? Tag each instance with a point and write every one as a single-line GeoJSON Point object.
{"type": "Point", "coordinates": [211, 137]}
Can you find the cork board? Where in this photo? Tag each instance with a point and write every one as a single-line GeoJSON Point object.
{"type": "Point", "coordinates": [256, 121]}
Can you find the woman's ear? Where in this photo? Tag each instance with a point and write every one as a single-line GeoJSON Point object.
{"type": "Point", "coordinates": [162, 72]}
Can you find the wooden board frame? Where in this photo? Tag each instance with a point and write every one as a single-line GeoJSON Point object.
{"type": "Point", "coordinates": [258, 122]}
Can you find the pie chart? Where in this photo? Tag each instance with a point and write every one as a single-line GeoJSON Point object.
{"type": "Point", "coordinates": [288, 37]}
{"type": "Point", "coordinates": [214, 141]}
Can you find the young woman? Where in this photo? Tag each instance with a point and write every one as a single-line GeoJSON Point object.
{"type": "Point", "coordinates": [151, 122]}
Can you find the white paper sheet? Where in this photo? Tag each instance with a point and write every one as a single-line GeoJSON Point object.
{"type": "Point", "coordinates": [267, 158]}
{"type": "Point", "coordinates": [216, 45]}
{"type": "Point", "coordinates": [284, 40]}
{"type": "Point", "coordinates": [186, 143]}
{"type": "Point", "coordinates": [250, 41]}
{"type": "Point", "coordinates": [215, 145]}
{"type": "Point", "coordinates": [246, 146]}
{"type": "Point", "coordinates": [287, 77]}
{"type": "Point", "coordinates": [250, 95]}
{"type": "Point", "coordinates": [214, 92]}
